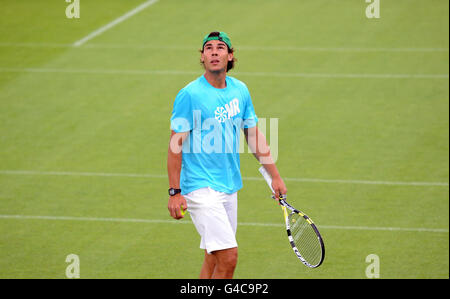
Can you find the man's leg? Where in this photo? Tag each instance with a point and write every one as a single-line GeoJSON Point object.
{"type": "Point", "coordinates": [219, 264]}
{"type": "Point", "coordinates": [208, 266]}
{"type": "Point", "coordinates": [226, 261]}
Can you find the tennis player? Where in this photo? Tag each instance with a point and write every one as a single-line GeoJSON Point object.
{"type": "Point", "coordinates": [203, 158]}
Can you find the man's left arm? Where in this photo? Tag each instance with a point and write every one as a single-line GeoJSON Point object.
{"type": "Point", "coordinates": [258, 145]}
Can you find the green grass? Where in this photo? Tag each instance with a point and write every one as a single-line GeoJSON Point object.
{"type": "Point", "coordinates": [70, 115]}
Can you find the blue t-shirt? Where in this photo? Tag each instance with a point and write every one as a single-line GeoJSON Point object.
{"type": "Point", "coordinates": [213, 117]}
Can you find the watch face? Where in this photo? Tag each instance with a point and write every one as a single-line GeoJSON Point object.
{"type": "Point", "coordinates": [173, 191]}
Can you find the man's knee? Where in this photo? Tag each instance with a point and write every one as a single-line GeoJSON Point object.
{"type": "Point", "coordinates": [227, 257]}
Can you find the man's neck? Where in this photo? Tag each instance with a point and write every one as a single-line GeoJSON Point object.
{"type": "Point", "coordinates": [217, 80]}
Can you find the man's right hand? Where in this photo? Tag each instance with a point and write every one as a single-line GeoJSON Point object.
{"type": "Point", "coordinates": [174, 206]}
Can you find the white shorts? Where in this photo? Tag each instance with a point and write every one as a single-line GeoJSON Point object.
{"type": "Point", "coordinates": [214, 215]}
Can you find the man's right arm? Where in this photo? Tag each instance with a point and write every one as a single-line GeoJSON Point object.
{"type": "Point", "coordinates": [174, 158]}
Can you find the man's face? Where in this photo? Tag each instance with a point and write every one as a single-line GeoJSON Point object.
{"type": "Point", "coordinates": [215, 56]}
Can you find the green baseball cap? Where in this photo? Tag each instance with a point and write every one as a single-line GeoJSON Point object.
{"type": "Point", "coordinates": [222, 36]}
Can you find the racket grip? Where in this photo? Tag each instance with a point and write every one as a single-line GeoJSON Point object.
{"type": "Point", "coordinates": [267, 177]}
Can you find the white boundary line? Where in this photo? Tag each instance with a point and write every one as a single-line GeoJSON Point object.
{"type": "Point", "coordinates": [349, 76]}
{"type": "Point", "coordinates": [365, 182]}
{"type": "Point", "coordinates": [341, 49]}
{"type": "Point", "coordinates": [114, 23]}
{"type": "Point", "coordinates": [99, 72]}
{"type": "Point", "coordinates": [185, 221]}
{"type": "Point", "coordinates": [160, 176]}
{"type": "Point", "coordinates": [258, 74]}
{"type": "Point", "coordinates": [70, 173]}
{"type": "Point", "coordinates": [243, 48]}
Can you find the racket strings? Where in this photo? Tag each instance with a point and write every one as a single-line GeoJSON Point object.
{"type": "Point", "coordinates": [305, 239]}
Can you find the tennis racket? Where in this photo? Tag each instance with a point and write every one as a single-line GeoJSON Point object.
{"type": "Point", "coordinates": [303, 234]}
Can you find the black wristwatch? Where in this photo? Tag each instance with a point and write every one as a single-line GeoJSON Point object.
{"type": "Point", "coordinates": [173, 191]}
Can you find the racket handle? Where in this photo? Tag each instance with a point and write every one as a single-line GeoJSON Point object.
{"type": "Point", "coordinates": [267, 177]}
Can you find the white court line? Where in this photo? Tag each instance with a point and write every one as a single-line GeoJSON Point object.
{"type": "Point", "coordinates": [160, 176]}
{"type": "Point", "coordinates": [365, 182]}
{"type": "Point", "coordinates": [341, 49]}
{"type": "Point", "coordinates": [257, 74]}
{"type": "Point", "coordinates": [114, 23]}
{"type": "Point", "coordinates": [323, 75]}
{"type": "Point", "coordinates": [70, 173]}
{"type": "Point", "coordinates": [243, 48]}
{"type": "Point", "coordinates": [185, 221]}
{"type": "Point", "coordinates": [101, 72]}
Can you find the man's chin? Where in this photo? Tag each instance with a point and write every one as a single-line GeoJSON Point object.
{"type": "Point", "coordinates": [216, 70]}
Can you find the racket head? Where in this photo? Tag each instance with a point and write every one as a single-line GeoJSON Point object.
{"type": "Point", "coordinates": [303, 236]}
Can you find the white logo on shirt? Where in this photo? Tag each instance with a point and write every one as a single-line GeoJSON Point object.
{"type": "Point", "coordinates": [227, 112]}
{"type": "Point", "coordinates": [221, 114]}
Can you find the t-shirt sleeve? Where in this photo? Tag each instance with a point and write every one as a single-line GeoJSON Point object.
{"type": "Point", "coordinates": [250, 119]}
{"type": "Point", "coordinates": [181, 120]}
